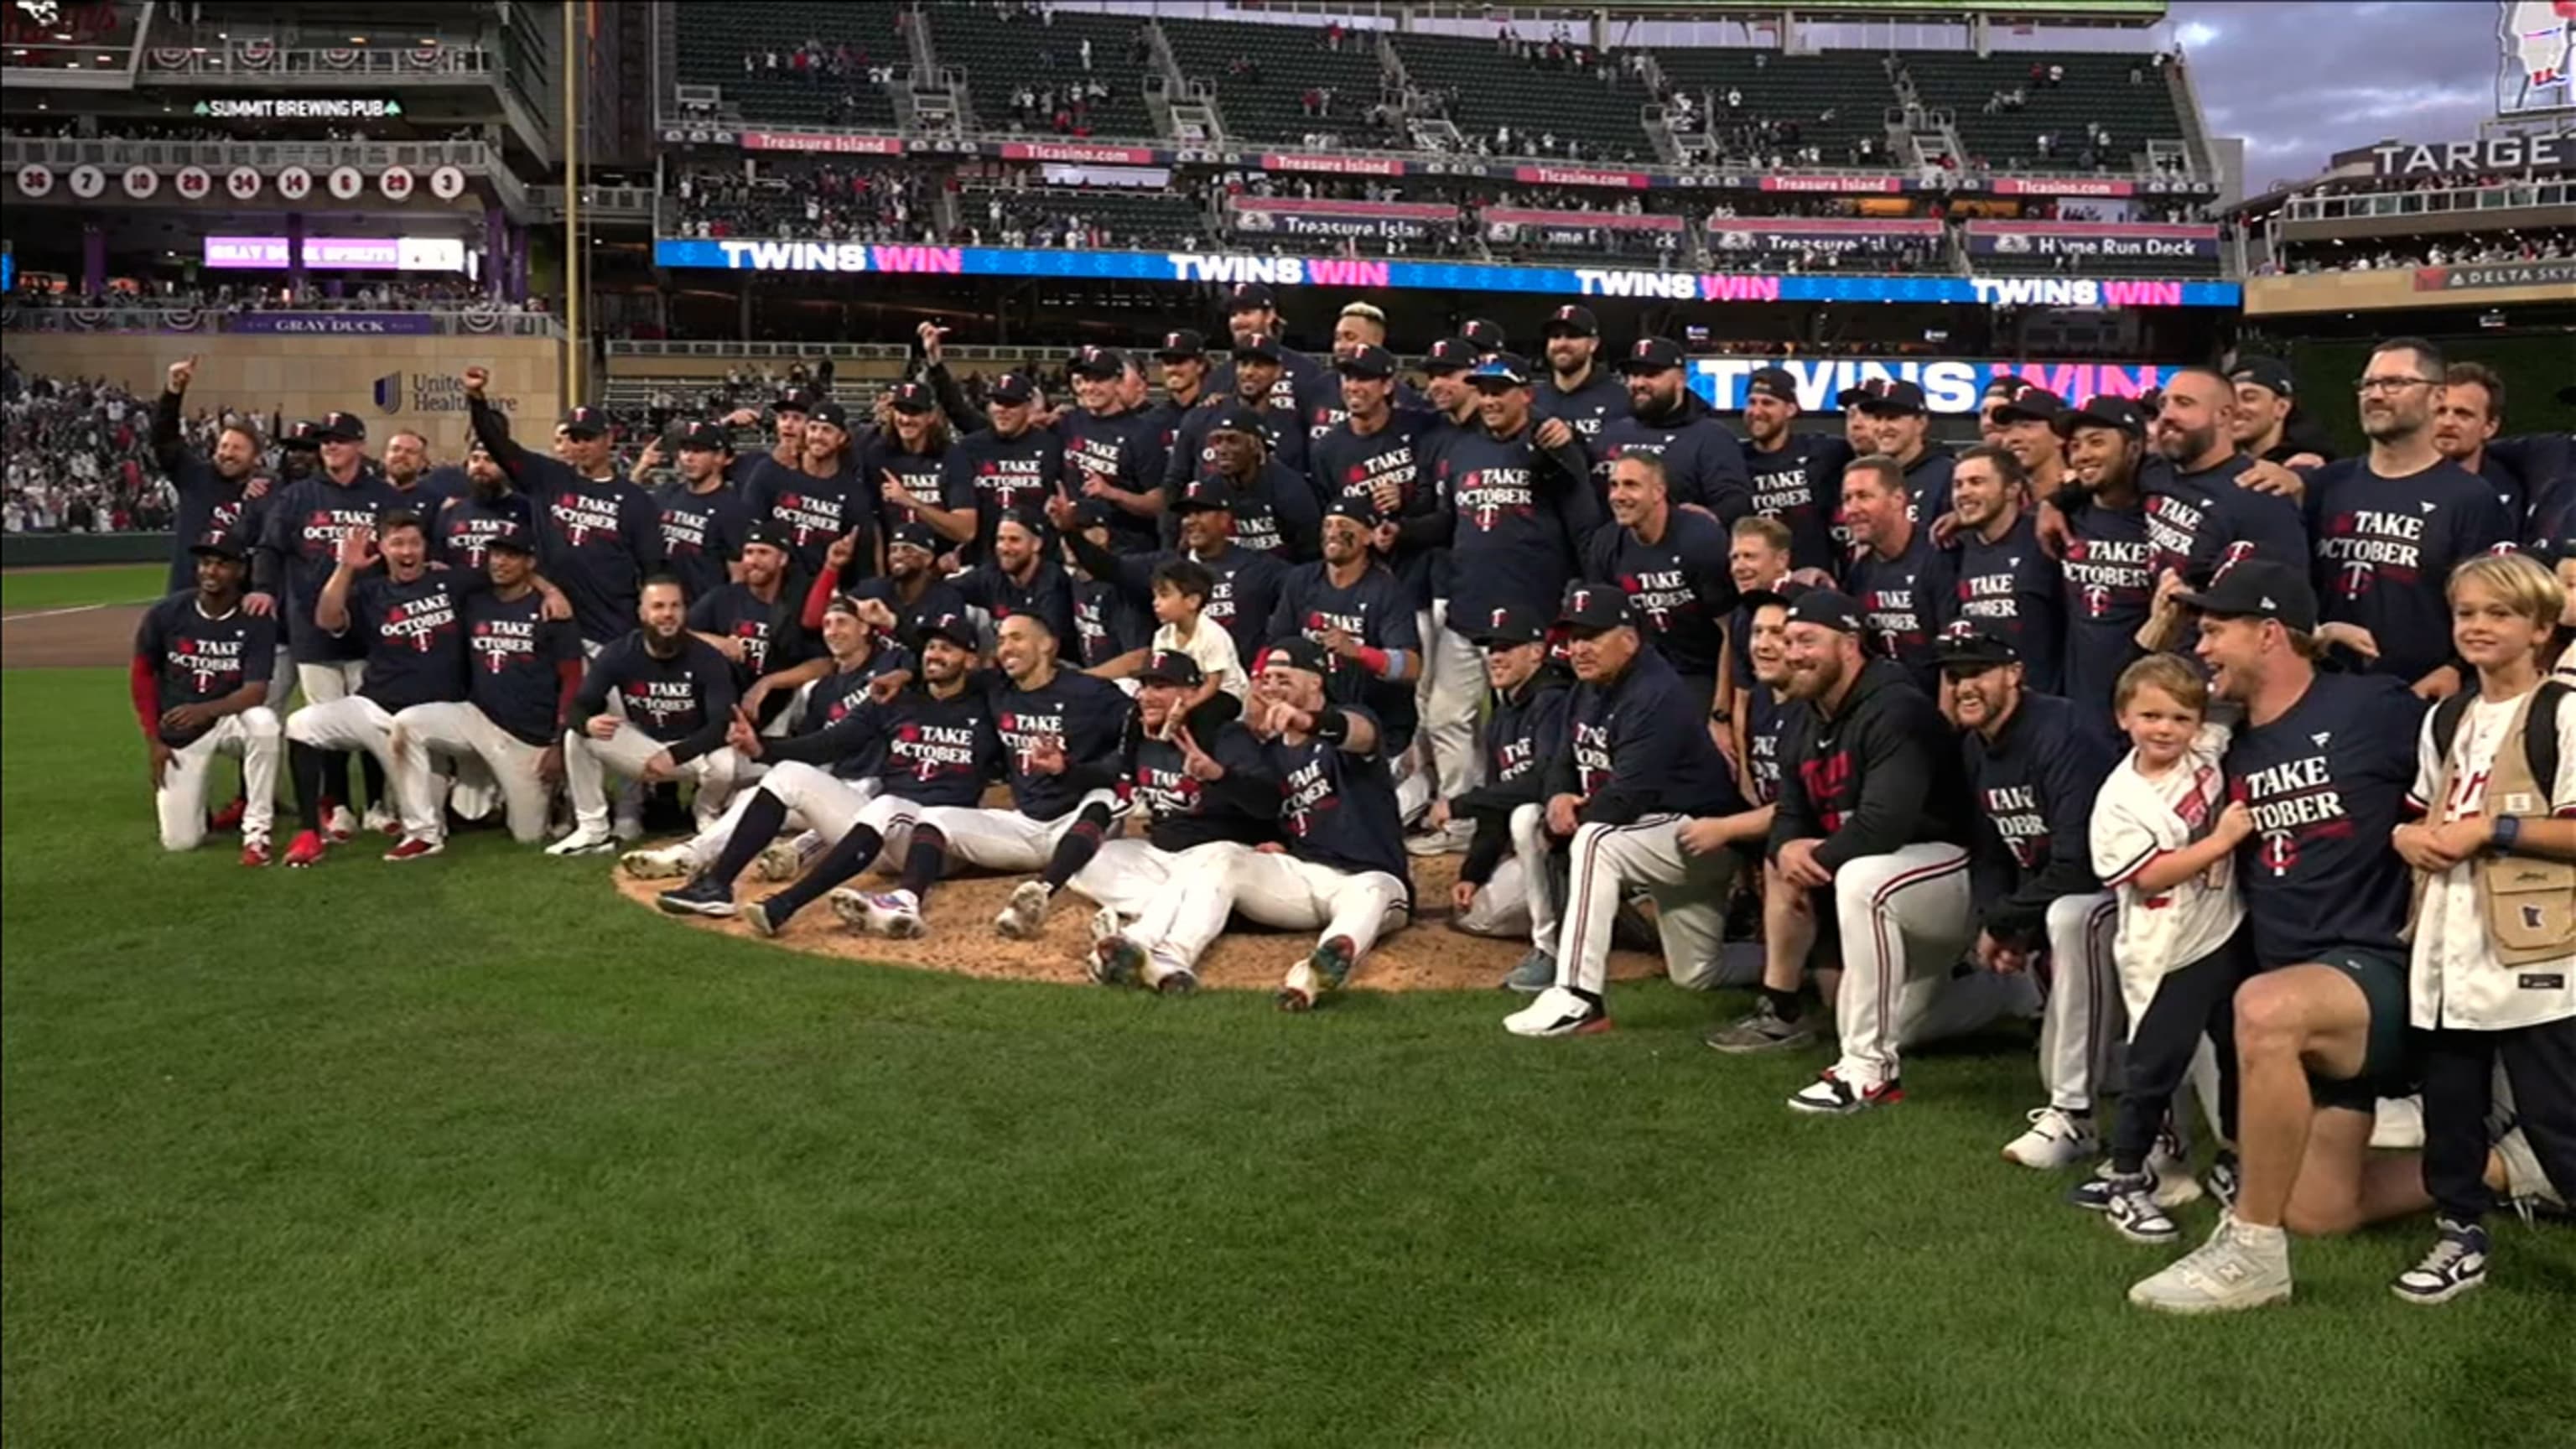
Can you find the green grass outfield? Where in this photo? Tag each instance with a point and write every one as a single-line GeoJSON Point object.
{"type": "Point", "coordinates": [27, 590]}
{"type": "Point", "coordinates": [470, 1152]}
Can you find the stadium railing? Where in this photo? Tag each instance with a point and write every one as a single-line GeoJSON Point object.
{"type": "Point", "coordinates": [453, 322]}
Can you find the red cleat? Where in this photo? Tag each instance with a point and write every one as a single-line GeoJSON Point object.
{"type": "Point", "coordinates": [254, 853]}
{"type": "Point", "coordinates": [306, 850]}
{"type": "Point", "coordinates": [228, 819]}
{"type": "Point", "coordinates": [415, 848]}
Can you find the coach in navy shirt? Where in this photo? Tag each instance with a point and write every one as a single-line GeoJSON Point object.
{"type": "Point", "coordinates": [1797, 477]}
{"type": "Point", "coordinates": [1900, 577]}
{"type": "Point", "coordinates": [1672, 564]}
{"type": "Point", "coordinates": [2007, 583]}
{"type": "Point", "coordinates": [1703, 464]}
{"type": "Point", "coordinates": [1577, 388]}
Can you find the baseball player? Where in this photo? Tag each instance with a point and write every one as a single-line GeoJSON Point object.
{"type": "Point", "coordinates": [676, 697]}
{"type": "Point", "coordinates": [1796, 477]}
{"type": "Point", "coordinates": [2008, 585]}
{"type": "Point", "coordinates": [1276, 508]}
{"type": "Point", "coordinates": [1867, 837]}
{"type": "Point", "coordinates": [932, 743]}
{"type": "Point", "coordinates": [1373, 449]}
{"type": "Point", "coordinates": [1008, 466]}
{"type": "Point", "coordinates": [1640, 765]}
{"type": "Point", "coordinates": [787, 412]}
{"type": "Point", "coordinates": [1900, 427]}
{"type": "Point", "coordinates": [1111, 454]}
{"type": "Point", "coordinates": [1018, 578]}
{"type": "Point", "coordinates": [1703, 464]}
{"type": "Point", "coordinates": [2034, 773]}
{"type": "Point", "coordinates": [2198, 514]}
{"type": "Point", "coordinates": [819, 499]}
{"type": "Point", "coordinates": [2323, 763]}
{"type": "Point", "coordinates": [703, 517]}
{"type": "Point", "coordinates": [2025, 425]}
{"type": "Point", "coordinates": [1672, 564]}
{"type": "Point", "coordinates": [1326, 404]}
{"type": "Point", "coordinates": [1247, 579]}
{"type": "Point", "coordinates": [1298, 385]}
{"type": "Point", "coordinates": [1505, 886]}
{"type": "Point", "coordinates": [299, 547]}
{"type": "Point", "coordinates": [1577, 388]}
{"type": "Point", "coordinates": [905, 458]}
{"type": "Point", "coordinates": [221, 491]}
{"type": "Point", "coordinates": [1111, 638]}
{"type": "Point", "coordinates": [1900, 576]}
{"type": "Point", "coordinates": [1137, 879]}
{"type": "Point", "coordinates": [1356, 609]}
{"type": "Point", "coordinates": [1183, 358]}
{"type": "Point", "coordinates": [754, 622]}
{"type": "Point", "coordinates": [201, 678]}
{"type": "Point", "coordinates": [523, 666]}
{"type": "Point", "coordinates": [484, 509]}
{"type": "Point", "coordinates": [911, 590]}
{"type": "Point", "coordinates": [1340, 869]}
{"type": "Point", "coordinates": [1423, 534]}
{"type": "Point", "coordinates": [1061, 733]}
{"type": "Point", "coordinates": [406, 617]}
{"type": "Point", "coordinates": [2109, 561]}
{"type": "Point", "coordinates": [1254, 401]}
{"type": "Point", "coordinates": [599, 536]}
{"type": "Point", "coordinates": [1757, 562]}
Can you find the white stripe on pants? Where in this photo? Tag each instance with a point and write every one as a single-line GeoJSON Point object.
{"type": "Point", "coordinates": [588, 762]}
{"type": "Point", "coordinates": [1904, 919]}
{"type": "Point", "coordinates": [2081, 1028]}
{"type": "Point", "coordinates": [1275, 888]}
{"type": "Point", "coordinates": [1689, 892]}
{"type": "Point", "coordinates": [1006, 839]}
{"type": "Point", "coordinates": [355, 722]}
{"type": "Point", "coordinates": [253, 737]}
{"type": "Point", "coordinates": [1457, 673]}
{"type": "Point", "coordinates": [484, 754]}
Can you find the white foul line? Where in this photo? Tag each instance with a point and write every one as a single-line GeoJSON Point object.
{"type": "Point", "coordinates": [53, 613]}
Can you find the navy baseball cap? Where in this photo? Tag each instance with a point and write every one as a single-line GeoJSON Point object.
{"type": "Point", "coordinates": [1773, 382]}
{"type": "Point", "coordinates": [1785, 594]}
{"type": "Point", "coordinates": [1651, 354]}
{"type": "Point", "coordinates": [1250, 297]}
{"type": "Point", "coordinates": [766, 531]}
{"type": "Point", "coordinates": [582, 422]}
{"type": "Point", "coordinates": [1088, 514]}
{"type": "Point", "coordinates": [1370, 360]}
{"type": "Point", "coordinates": [304, 437]}
{"type": "Point", "coordinates": [1507, 626]}
{"type": "Point", "coordinates": [1011, 389]}
{"type": "Point", "coordinates": [1448, 355]}
{"type": "Point", "coordinates": [1027, 518]}
{"type": "Point", "coordinates": [1594, 607]}
{"type": "Point", "coordinates": [1359, 508]}
{"type": "Point", "coordinates": [2117, 413]}
{"type": "Point", "coordinates": [1500, 371]}
{"type": "Point", "coordinates": [1892, 396]}
{"type": "Point", "coordinates": [2557, 548]}
{"type": "Point", "coordinates": [1832, 608]}
{"type": "Point", "coordinates": [913, 535]}
{"type": "Point", "coordinates": [2006, 388]}
{"type": "Point", "coordinates": [1237, 418]}
{"type": "Point", "coordinates": [1967, 648]}
{"type": "Point", "coordinates": [911, 397]}
{"type": "Point", "coordinates": [1097, 362]}
{"type": "Point", "coordinates": [1483, 335]}
{"type": "Point", "coordinates": [794, 400]}
{"type": "Point", "coordinates": [1578, 321]}
{"type": "Point", "coordinates": [341, 428]}
{"type": "Point", "coordinates": [1297, 652]}
{"type": "Point", "coordinates": [2260, 588]}
{"type": "Point", "coordinates": [1205, 495]}
{"type": "Point", "coordinates": [1256, 345]}
{"type": "Point", "coordinates": [957, 629]}
{"type": "Point", "coordinates": [511, 539]}
{"type": "Point", "coordinates": [2032, 405]}
{"type": "Point", "coordinates": [222, 543]}
{"type": "Point", "coordinates": [703, 438]}
{"type": "Point", "coordinates": [829, 412]}
{"type": "Point", "coordinates": [1171, 666]}
{"type": "Point", "coordinates": [1181, 344]}
{"type": "Point", "coordinates": [2271, 374]}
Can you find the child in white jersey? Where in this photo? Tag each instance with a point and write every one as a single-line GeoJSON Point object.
{"type": "Point", "coordinates": [2163, 840]}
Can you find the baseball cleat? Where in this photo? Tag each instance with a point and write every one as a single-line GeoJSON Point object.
{"type": "Point", "coordinates": [1318, 976]}
{"type": "Point", "coordinates": [627, 830]}
{"type": "Point", "coordinates": [1450, 839]}
{"type": "Point", "coordinates": [255, 851]}
{"type": "Point", "coordinates": [305, 850]}
{"type": "Point", "coordinates": [1298, 992]}
{"type": "Point", "coordinates": [1559, 1011]}
{"type": "Point", "coordinates": [1105, 923]}
{"type": "Point", "coordinates": [381, 820]}
{"type": "Point", "coordinates": [1117, 961]}
{"type": "Point", "coordinates": [338, 823]}
{"type": "Point", "coordinates": [2457, 1264]}
{"type": "Point", "coordinates": [415, 847]}
{"type": "Point", "coordinates": [1830, 1096]}
{"type": "Point", "coordinates": [2057, 1139]}
{"type": "Point", "coordinates": [1179, 981]}
{"type": "Point", "coordinates": [702, 896]}
{"type": "Point", "coordinates": [1535, 972]}
{"type": "Point", "coordinates": [1025, 916]}
{"type": "Point", "coordinates": [894, 913]}
{"type": "Point", "coordinates": [666, 862]}
{"type": "Point", "coordinates": [584, 841]}
{"type": "Point", "coordinates": [781, 860]}
{"type": "Point", "coordinates": [765, 916]}
{"type": "Point", "coordinates": [1764, 1029]}
{"type": "Point", "coordinates": [228, 818]}
{"type": "Point", "coordinates": [2238, 1268]}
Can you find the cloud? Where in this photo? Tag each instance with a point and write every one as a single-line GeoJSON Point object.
{"type": "Point", "coordinates": [2301, 82]}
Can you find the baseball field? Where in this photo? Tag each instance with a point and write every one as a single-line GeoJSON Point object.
{"type": "Point", "coordinates": [475, 1151]}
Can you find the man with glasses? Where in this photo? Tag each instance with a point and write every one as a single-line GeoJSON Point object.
{"type": "Point", "coordinates": [2388, 527]}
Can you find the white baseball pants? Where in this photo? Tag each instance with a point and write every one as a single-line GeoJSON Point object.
{"type": "Point", "coordinates": [1131, 876]}
{"type": "Point", "coordinates": [2081, 1026]}
{"type": "Point", "coordinates": [323, 683]}
{"type": "Point", "coordinates": [1905, 922]}
{"type": "Point", "coordinates": [485, 756]}
{"type": "Point", "coordinates": [818, 803]}
{"type": "Point", "coordinates": [355, 722]}
{"type": "Point", "coordinates": [1456, 670]}
{"type": "Point", "coordinates": [253, 737]}
{"type": "Point", "coordinates": [283, 676]}
{"type": "Point", "coordinates": [1006, 839]}
{"type": "Point", "coordinates": [1274, 888]}
{"type": "Point", "coordinates": [587, 763]}
{"type": "Point", "coordinates": [1689, 893]}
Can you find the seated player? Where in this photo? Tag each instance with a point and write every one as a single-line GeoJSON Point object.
{"type": "Point", "coordinates": [677, 697]}
{"type": "Point", "coordinates": [1505, 886]}
{"type": "Point", "coordinates": [201, 676]}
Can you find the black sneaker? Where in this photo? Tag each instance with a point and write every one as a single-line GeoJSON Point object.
{"type": "Point", "coordinates": [1765, 1030]}
{"type": "Point", "coordinates": [702, 896]}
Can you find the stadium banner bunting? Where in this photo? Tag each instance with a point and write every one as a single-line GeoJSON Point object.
{"type": "Point", "coordinates": [1227, 268]}
{"type": "Point", "coordinates": [2091, 239]}
{"type": "Point", "coordinates": [1824, 234]}
{"type": "Point", "coordinates": [2480, 276]}
{"type": "Point", "coordinates": [1952, 387]}
{"type": "Point", "coordinates": [334, 324]}
{"type": "Point", "coordinates": [1404, 220]}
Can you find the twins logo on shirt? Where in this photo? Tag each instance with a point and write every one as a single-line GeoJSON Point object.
{"type": "Point", "coordinates": [208, 660]}
{"type": "Point", "coordinates": [501, 643]}
{"type": "Point", "coordinates": [665, 701]}
{"type": "Point", "coordinates": [2173, 527]}
{"type": "Point", "coordinates": [754, 635]}
{"type": "Point", "coordinates": [1786, 491]}
{"type": "Point", "coordinates": [1306, 791]}
{"type": "Point", "coordinates": [1893, 618]}
{"type": "Point", "coordinates": [812, 517]}
{"type": "Point", "coordinates": [1008, 481]}
{"type": "Point", "coordinates": [2106, 572]}
{"type": "Point", "coordinates": [684, 532]}
{"type": "Point", "coordinates": [2369, 544]}
{"type": "Point", "coordinates": [1592, 767]}
{"type": "Point", "coordinates": [1395, 466]}
{"type": "Point", "coordinates": [584, 518]}
{"type": "Point", "coordinates": [325, 527]}
{"type": "Point", "coordinates": [1026, 734]}
{"type": "Point", "coordinates": [1660, 594]}
{"type": "Point", "coordinates": [419, 621]}
{"type": "Point", "coordinates": [1827, 777]}
{"type": "Point", "coordinates": [1167, 793]}
{"type": "Point", "coordinates": [1990, 596]}
{"type": "Point", "coordinates": [1488, 495]}
{"type": "Point", "coordinates": [1513, 758]}
{"type": "Point", "coordinates": [930, 751]}
{"type": "Point", "coordinates": [2293, 803]}
{"type": "Point", "coordinates": [2014, 809]}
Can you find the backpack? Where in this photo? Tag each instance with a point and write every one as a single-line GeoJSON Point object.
{"type": "Point", "coordinates": [2539, 731]}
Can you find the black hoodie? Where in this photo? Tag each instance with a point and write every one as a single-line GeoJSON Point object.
{"type": "Point", "coordinates": [1877, 776]}
{"type": "Point", "coordinates": [1640, 746]}
{"type": "Point", "coordinates": [2035, 783]}
{"type": "Point", "coordinates": [1526, 732]}
{"type": "Point", "coordinates": [1703, 463]}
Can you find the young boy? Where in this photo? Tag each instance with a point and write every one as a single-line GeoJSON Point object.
{"type": "Point", "coordinates": [1181, 590]}
{"type": "Point", "coordinates": [2493, 972]}
{"type": "Point", "coordinates": [2162, 841]}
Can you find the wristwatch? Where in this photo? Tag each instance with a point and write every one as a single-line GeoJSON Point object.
{"type": "Point", "coordinates": [2504, 833]}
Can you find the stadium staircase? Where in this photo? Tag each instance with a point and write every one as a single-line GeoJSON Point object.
{"type": "Point", "coordinates": [1496, 91]}
{"type": "Point", "coordinates": [1853, 84]}
{"type": "Point", "coordinates": [1292, 60]}
{"type": "Point", "coordinates": [713, 38]}
{"type": "Point", "coordinates": [2096, 89]}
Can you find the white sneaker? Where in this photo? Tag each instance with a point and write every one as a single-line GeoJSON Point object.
{"type": "Point", "coordinates": [340, 824]}
{"type": "Point", "coordinates": [2170, 1164]}
{"type": "Point", "coordinates": [2056, 1139]}
{"type": "Point", "coordinates": [627, 829]}
{"type": "Point", "coordinates": [2238, 1268]}
{"type": "Point", "coordinates": [666, 862]}
{"type": "Point", "coordinates": [1449, 839]}
{"type": "Point", "coordinates": [1105, 923]}
{"type": "Point", "coordinates": [583, 842]}
{"type": "Point", "coordinates": [382, 820]}
{"type": "Point", "coordinates": [2398, 1125]}
{"type": "Point", "coordinates": [1558, 1011]}
{"type": "Point", "coordinates": [782, 860]}
{"type": "Point", "coordinates": [1025, 917]}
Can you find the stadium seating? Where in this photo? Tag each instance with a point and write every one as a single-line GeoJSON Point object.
{"type": "Point", "coordinates": [1132, 219]}
{"type": "Point", "coordinates": [713, 37]}
{"type": "Point", "coordinates": [1292, 59]}
{"type": "Point", "coordinates": [1495, 90]}
{"type": "Point", "coordinates": [2033, 266]}
{"type": "Point", "coordinates": [1000, 56]}
{"type": "Point", "coordinates": [1802, 88]}
{"type": "Point", "coordinates": [2096, 90]}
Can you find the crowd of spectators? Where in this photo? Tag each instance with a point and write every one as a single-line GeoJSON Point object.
{"type": "Point", "coordinates": [427, 294]}
{"type": "Point", "coordinates": [80, 457]}
{"type": "Point", "coordinates": [2456, 251]}
{"type": "Point", "coordinates": [829, 201]}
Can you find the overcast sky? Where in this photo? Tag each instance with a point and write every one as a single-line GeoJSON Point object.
{"type": "Point", "coordinates": [2301, 81]}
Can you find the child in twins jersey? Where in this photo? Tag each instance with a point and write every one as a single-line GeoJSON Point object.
{"type": "Point", "coordinates": [2162, 841]}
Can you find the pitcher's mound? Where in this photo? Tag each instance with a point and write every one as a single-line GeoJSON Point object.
{"type": "Point", "coordinates": [1425, 956]}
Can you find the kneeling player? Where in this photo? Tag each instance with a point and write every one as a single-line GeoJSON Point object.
{"type": "Point", "coordinates": [1505, 885]}
{"type": "Point", "coordinates": [201, 676]}
{"type": "Point", "coordinates": [678, 697]}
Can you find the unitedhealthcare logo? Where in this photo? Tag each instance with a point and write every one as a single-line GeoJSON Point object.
{"type": "Point", "coordinates": [431, 392]}
{"type": "Point", "coordinates": [389, 393]}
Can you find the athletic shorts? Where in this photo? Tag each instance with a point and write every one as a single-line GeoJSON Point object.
{"type": "Point", "coordinates": [2386, 1069]}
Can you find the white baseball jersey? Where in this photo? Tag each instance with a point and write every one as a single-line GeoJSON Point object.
{"type": "Point", "coordinates": [2456, 980]}
{"type": "Point", "coordinates": [2137, 819]}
